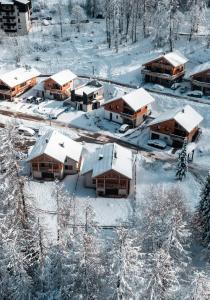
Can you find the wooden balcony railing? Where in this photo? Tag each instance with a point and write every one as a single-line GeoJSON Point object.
{"type": "Point", "coordinates": [201, 83]}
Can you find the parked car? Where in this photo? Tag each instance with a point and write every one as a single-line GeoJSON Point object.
{"type": "Point", "coordinates": [26, 131]}
{"type": "Point", "coordinates": [158, 87]}
{"type": "Point", "coordinates": [124, 128]}
{"type": "Point", "coordinates": [45, 22]}
{"type": "Point", "coordinates": [197, 94]}
{"type": "Point", "coordinates": [183, 89]}
{"type": "Point", "coordinates": [157, 143]}
{"type": "Point", "coordinates": [38, 100]}
{"type": "Point", "coordinates": [175, 86]}
{"type": "Point", "coordinates": [30, 99]}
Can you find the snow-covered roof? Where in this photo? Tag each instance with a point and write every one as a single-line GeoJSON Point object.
{"type": "Point", "coordinates": [19, 76]}
{"type": "Point", "coordinates": [200, 68]}
{"type": "Point", "coordinates": [87, 89]}
{"type": "Point", "coordinates": [57, 146]}
{"type": "Point", "coordinates": [63, 77]}
{"type": "Point", "coordinates": [175, 58]}
{"type": "Point", "coordinates": [109, 157]}
{"type": "Point", "coordinates": [136, 99]}
{"type": "Point", "coordinates": [186, 117]}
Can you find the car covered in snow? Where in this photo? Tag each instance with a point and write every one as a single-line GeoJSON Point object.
{"type": "Point", "coordinates": [175, 86]}
{"type": "Point", "coordinates": [157, 144]}
{"type": "Point", "coordinates": [197, 94]}
{"type": "Point", "coordinates": [124, 128]}
{"type": "Point", "coordinates": [26, 131]}
{"type": "Point", "coordinates": [30, 99]}
{"type": "Point", "coordinates": [158, 87]}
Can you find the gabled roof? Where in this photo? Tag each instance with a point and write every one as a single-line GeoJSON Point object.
{"type": "Point", "coordinates": [136, 99]}
{"type": "Point", "coordinates": [63, 77]}
{"type": "Point", "coordinates": [174, 58]}
{"type": "Point", "coordinates": [109, 157]}
{"type": "Point", "coordinates": [200, 68]}
{"type": "Point", "coordinates": [57, 146]}
{"type": "Point", "coordinates": [186, 117]}
{"type": "Point", "coordinates": [19, 76]}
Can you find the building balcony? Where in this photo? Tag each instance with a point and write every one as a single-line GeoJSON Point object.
{"type": "Point", "coordinates": [201, 83]}
{"type": "Point", "coordinates": [111, 186]}
{"type": "Point", "coordinates": [162, 75]}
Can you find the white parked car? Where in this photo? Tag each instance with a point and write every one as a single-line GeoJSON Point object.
{"type": "Point", "coordinates": [157, 143]}
{"type": "Point", "coordinates": [197, 94]}
{"type": "Point", "coordinates": [124, 128]}
{"type": "Point", "coordinates": [158, 87]}
{"type": "Point", "coordinates": [26, 131]}
{"type": "Point", "coordinates": [175, 86]}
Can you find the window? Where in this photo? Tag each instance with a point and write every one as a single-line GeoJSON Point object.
{"type": "Point", "coordinates": [117, 107]}
{"type": "Point", "coordinates": [68, 167]}
{"type": "Point", "coordinates": [23, 84]}
{"type": "Point", "coordinates": [18, 20]}
{"type": "Point", "coordinates": [94, 181]}
{"type": "Point", "coordinates": [116, 116]}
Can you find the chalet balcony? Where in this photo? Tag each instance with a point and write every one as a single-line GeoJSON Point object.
{"type": "Point", "coordinates": [162, 75]}
{"type": "Point", "coordinates": [5, 92]}
{"type": "Point", "coordinates": [110, 185]}
{"type": "Point", "coordinates": [204, 84]}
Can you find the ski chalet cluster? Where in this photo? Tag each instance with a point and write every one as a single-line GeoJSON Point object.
{"type": "Point", "coordinates": [110, 168]}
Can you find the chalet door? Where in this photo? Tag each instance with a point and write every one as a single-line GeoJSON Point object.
{"type": "Point", "coordinates": [47, 175]}
{"type": "Point", "coordinates": [110, 116]}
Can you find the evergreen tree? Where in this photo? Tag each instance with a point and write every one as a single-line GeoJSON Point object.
{"type": "Point", "coordinates": [182, 165]}
{"type": "Point", "coordinates": [204, 212]}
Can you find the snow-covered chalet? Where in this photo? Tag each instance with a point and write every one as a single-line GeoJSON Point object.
{"type": "Point", "coordinates": [55, 155]}
{"type": "Point", "coordinates": [131, 108]}
{"type": "Point", "coordinates": [109, 170]}
{"type": "Point", "coordinates": [165, 69]}
{"type": "Point", "coordinates": [175, 125]}
{"type": "Point", "coordinates": [16, 82]}
{"type": "Point", "coordinates": [200, 78]}
{"type": "Point", "coordinates": [59, 85]}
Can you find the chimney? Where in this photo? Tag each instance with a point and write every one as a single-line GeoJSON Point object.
{"type": "Point", "coordinates": [115, 154]}
{"type": "Point", "coordinates": [61, 144]}
{"type": "Point", "coordinates": [100, 157]}
{"type": "Point", "coordinates": [183, 110]}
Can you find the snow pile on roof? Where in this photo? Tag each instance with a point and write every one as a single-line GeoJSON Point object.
{"type": "Point", "coordinates": [200, 68]}
{"type": "Point", "coordinates": [18, 76]}
{"type": "Point", "coordinates": [186, 117]}
{"type": "Point", "coordinates": [57, 146]}
{"type": "Point", "coordinates": [63, 77]}
{"type": "Point", "coordinates": [109, 157]}
{"type": "Point", "coordinates": [136, 99]}
{"type": "Point", "coordinates": [175, 58]}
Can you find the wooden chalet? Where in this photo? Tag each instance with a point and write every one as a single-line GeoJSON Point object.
{"type": "Point", "coordinates": [176, 125]}
{"type": "Point", "coordinates": [109, 170]}
{"type": "Point", "coordinates": [166, 69]}
{"type": "Point", "coordinates": [59, 85]}
{"type": "Point", "coordinates": [200, 78]}
{"type": "Point", "coordinates": [55, 155]}
{"type": "Point", "coordinates": [16, 82]}
{"type": "Point", "coordinates": [88, 97]}
{"type": "Point", "coordinates": [130, 109]}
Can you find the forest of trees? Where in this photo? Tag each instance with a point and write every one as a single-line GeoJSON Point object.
{"type": "Point", "coordinates": [149, 259]}
{"type": "Point", "coordinates": [132, 20]}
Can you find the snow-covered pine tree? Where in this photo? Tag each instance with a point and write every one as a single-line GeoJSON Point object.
{"type": "Point", "coordinates": [125, 273]}
{"type": "Point", "coordinates": [199, 288]}
{"type": "Point", "coordinates": [203, 212]}
{"type": "Point", "coordinates": [18, 225]}
{"type": "Point", "coordinates": [182, 164]}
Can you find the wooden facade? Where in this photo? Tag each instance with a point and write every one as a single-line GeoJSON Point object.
{"type": "Point", "coordinates": [119, 111]}
{"type": "Point", "coordinates": [8, 93]}
{"type": "Point", "coordinates": [46, 167]}
{"type": "Point", "coordinates": [109, 184]}
{"type": "Point", "coordinates": [201, 81]}
{"type": "Point", "coordinates": [53, 90]}
{"type": "Point", "coordinates": [162, 72]}
{"type": "Point", "coordinates": [172, 133]}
